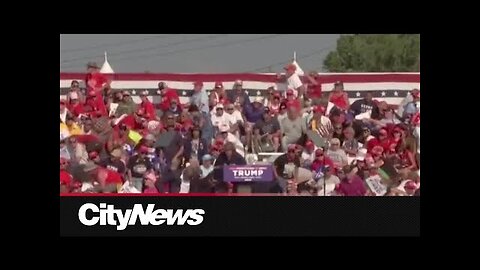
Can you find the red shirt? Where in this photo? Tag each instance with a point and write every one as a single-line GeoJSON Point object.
{"type": "Point", "coordinates": [76, 109]}
{"type": "Point", "coordinates": [111, 176]}
{"type": "Point", "coordinates": [130, 122]}
{"type": "Point", "coordinates": [314, 91]}
{"type": "Point", "coordinates": [95, 107]}
{"type": "Point", "coordinates": [149, 109]}
{"type": "Point", "coordinates": [295, 104]}
{"type": "Point", "coordinates": [355, 188]}
{"type": "Point", "coordinates": [339, 100]}
{"type": "Point", "coordinates": [170, 95]}
{"type": "Point", "coordinates": [95, 81]}
{"type": "Point", "coordinates": [65, 178]}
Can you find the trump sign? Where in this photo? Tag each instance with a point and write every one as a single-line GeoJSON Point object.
{"type": "Point", "coordinates": [248, 173]}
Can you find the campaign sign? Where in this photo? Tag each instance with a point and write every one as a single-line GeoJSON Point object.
{"type": "Point", "coordinates": [248, 173]}
{"type": "Point", "coordinates": [376, 186]}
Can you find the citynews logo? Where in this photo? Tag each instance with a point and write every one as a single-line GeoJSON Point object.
{"type": "Point", "coordinates": [108, 215]}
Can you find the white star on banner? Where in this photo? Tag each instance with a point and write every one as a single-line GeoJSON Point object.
{"type": "Point", "coordinates": [395, 93]}
{"type": "Point", "coordinates": [134, 92]}
{"type": "Point", "coordinates": [258, 93]}
{"type": "Point", "coordinates": [184, 93]}
{"type": "Point", "coordinates": [358, 94]}
{"type": "Point", "coordinates": [383, 93]}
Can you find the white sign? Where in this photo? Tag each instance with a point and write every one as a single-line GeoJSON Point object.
{"type": "Point", "coordinates": [113, 109]}
{"type": "Point", "coordinates": [376, 186]}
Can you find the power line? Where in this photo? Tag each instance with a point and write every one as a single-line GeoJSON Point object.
{"type": "Point", "coordinates": [114, 44]}
{"type": "Point", "coordinates": [135, 58]}
{"type": "Point", "coordinates": [144, 49]}
{"type": "Point", "coordinates": [298, 58]}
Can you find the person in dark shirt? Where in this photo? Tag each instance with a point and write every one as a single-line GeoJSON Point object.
{"type": "Point", "coordinates": [138, 165]}
{"type": "Point", "coordinates": [228, 157]}
{"type": "Point", "coordinates": [175, 149]}
{"type": "Point", "coordinates": [363, 105]}
{"type": "Point", "coordinates": [237, 94]}
{"type": "Point", "coordinates": [169, 180]}
{"type": "Point", "coordinates": [114, 163]}
{"type": "Point", "coordinates": [269, 128]}
{"type": "Point", "coordinates": [253, 112]}
{"type": "Point", "coordinates": [194, 145]}
{"type": "Point", "coordinates": [204, 122]}
{"type": "Point", "coordinates": [285, 168]}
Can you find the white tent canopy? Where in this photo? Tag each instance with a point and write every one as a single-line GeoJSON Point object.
{"type": "Point", "coordinates": [106, 68]}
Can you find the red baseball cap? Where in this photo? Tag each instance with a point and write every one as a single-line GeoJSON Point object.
{"type": "Point", "coordinates": [318, 109]}
{"type": "Point", "coordinates": [290, 67]}
{"type": "Point", "coordinates": [198, 83]}
{"type": "Point", "coordinates": [383, 132]}
{"type": "Point", "coordinates": [410, 185]}
{"type": "Point", "coordinates": [276, 94]}
{"type": "Point", "coordinates": [289, 92]}
{"type": "Point", "coordinates": [92, 93]}
{"type": "Point", "coordinates": [218, 85]}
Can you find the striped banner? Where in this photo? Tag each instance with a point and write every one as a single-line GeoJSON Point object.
{"type": "Point", "coordinates": [389, 87]}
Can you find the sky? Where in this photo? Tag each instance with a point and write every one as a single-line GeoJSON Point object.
{"type": "Point", "coordinates": [195, 53]}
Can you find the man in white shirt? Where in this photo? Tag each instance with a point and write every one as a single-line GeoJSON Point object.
{"type": "Point", "coordinates": [326, 185]}
{"type": "Point", "coordinates": [336, 154]}
{"type": "Point", "coordinates": [293, 80]}
{"type": "Point", "coordinates": [234, 118]}
{"type": "Point", "coordinates": [229, 137]}
{"type": "Point", "coordinates": [220, 118]}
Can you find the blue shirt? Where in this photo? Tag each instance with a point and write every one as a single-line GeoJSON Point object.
{"type": "Point", "coordinates": [200, 99]}
{"type": "Point", "coordinates": [410, 108]}
{"type": "Point", "coordinates": [253, 115]}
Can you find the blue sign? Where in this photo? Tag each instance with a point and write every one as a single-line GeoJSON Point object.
{"type": "Point", "coordinates": [248, 173]}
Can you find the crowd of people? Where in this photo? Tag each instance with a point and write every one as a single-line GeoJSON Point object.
{"type": "Point", "coordinates": [324, 145]}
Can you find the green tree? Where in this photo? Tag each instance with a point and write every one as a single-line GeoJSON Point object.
{"type": "Point", "coordinates": [375, 53]}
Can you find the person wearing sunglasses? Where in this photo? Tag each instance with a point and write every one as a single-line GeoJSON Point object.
{"type": "Point", "coordinates": [337, 154]}
{"type": "Point", "coordinates": [76, 91]}
{"type": "Point", "coordinates": [285, 169]}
